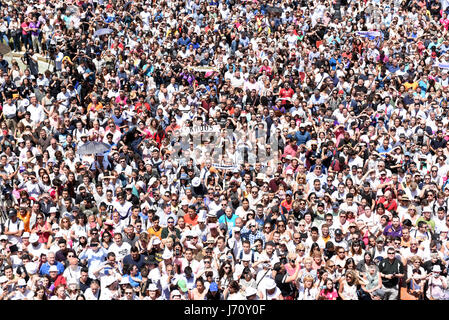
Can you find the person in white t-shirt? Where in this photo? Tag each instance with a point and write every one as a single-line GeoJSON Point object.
{"type": "Point", "coordinates": [14, 227]}
{"type": "Point", "coordinates": [120, 248]}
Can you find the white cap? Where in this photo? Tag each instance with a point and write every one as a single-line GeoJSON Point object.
{"type": "Point", "coordinates": [196, 182]}
{"type": "Point", "coordinates": [34, 238]}
{"type": "Point", "coordinates": [167, 255]}
{"type": "Point", "coordinates": [21, 282]}
{"type": "Point", "coordinates": [236, 229]}
{"type": "Point", "coordinates": [251, 222]}
{"type": "Point", "coordinates": [436, 268]}
{"type": "Point", "coordinates": [175, 293]}
{"type": "Point", "coordinates": [109, 280]}
{"type": "Point", "coordinates": [53, 210]}
{"type": "Point", "coordinates": [156, 241]}
{"type": "Point", "coordinates": [55, 226]}
{"type": "Point", "coordinates": [53, 268]}
{"type": "Point", "coordinates": [152, 181]}
{"type": "Point", "coordinates": [184, 202]}
{"type": "Point", "coordinates": [125, 280]}
{"type": "Point", "coordinates": [3, 237]}
{"type": "Point", "coordinates": [250, 291]}
{"type": "Point", "coordinates": [31, 267]}
{"type": "Point", "coordinates": [270, 284]}
{"type": "Point", "coordinates": [141, 184]}
{"type": "Point", "coordinates": [152, 287]}
{"type": "Point", "coordinates": [3, 279]}
{"type": "Point", "coordinates": [25, 235]}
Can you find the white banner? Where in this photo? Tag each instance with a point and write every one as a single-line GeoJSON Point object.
{"type": "Point", "coordinates": [204, 69]}
{"type": "Point", "coordinates": [224, 166]}
{"type": "Point", "coordinates": [201, 129]}
{"type": "Point", "coordinates": [368, 33]}
{"type": "Point", "coordinates": [442, 65]}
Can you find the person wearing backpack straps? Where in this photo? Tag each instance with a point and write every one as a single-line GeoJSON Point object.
{"type": "Point", "coordinates": [14, 227]}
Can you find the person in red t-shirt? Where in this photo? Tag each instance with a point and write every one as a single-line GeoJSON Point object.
{"type": "Point", "coordinates": [142, 106]}
{"type": "Point", "coordinates": [286, 93]}
{"type": "Point", "coordinates": [191, 218]}
{"type": "Point", "coordinates": [389, 203]}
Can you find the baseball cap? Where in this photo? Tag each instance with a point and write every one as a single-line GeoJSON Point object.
{"type": "Point", "coordinates": [34, 238]}
{"type": "Point", "coordinates": [213, 287]}
{"type": "Point", "coordinates": [196, 182]}
{"type": "Point", "coordinates": [175, 293]}
{"type": "Point", "coordinates": [21, 282]}
{"type": "Point", "coordinates": [436, 268]}
{"type": "Point", "coordinates": [338, 232]}
{"type": "Point", "coordinates": [250, 291]}
{"type": "Point", "coordinates": [184, 176]}
{"type": "Point", "coordinates": [182, 285]}
{"type": "Point", "coordinates": [53, 269]}
{"type": "Point", "coordinates": [152, 287]}
{"type": "Point", "coordinates": [270, 284]}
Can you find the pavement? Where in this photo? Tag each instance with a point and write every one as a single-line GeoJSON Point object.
{"type": "Point", "coordinates": [43, 63]}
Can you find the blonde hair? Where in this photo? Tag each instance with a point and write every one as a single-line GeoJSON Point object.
{"type": "Point", "coordinates": [308, 259]}
{"type": "Point", "coordinates": [308, 278]}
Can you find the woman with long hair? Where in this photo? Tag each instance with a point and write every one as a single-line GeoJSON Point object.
{"type": "Point", "coordinates": [106, 239]}
{"type": "Point", "coordinates": [348, 286]}
{"type": "Point", "coordinates": [328, 292]}
{"type": "Point", "coordinates": [225, 274]}
{"type": "Point", "coordinates": [356, 252]}
{"type": "Point", "coordinates": [42, 228]}
{"type": "Point", "coordinates": [40, 293]}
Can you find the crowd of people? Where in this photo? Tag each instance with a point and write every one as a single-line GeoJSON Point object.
{"type": "Point", "coordinates": [224, 150]}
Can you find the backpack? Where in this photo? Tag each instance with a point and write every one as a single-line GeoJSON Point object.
{"type": "Point", "coordinates": [252, 256]}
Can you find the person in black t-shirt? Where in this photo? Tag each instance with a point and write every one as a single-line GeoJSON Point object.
{"type": "Point", "coordinates": [85, 281]}
{"type": "Point", "coordinates": [284, 281]}
{"type": "Point", "coordinates": [391, 270]}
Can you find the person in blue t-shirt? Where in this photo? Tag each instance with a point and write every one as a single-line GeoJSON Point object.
{"type": "Point", "coordinates": [302, 136]}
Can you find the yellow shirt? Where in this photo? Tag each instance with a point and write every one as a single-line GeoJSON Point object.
{"type": "Point", "coordinates": [152, 232]}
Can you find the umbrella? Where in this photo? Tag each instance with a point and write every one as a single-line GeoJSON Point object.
{"type": "Point", "coordinates": [103, 31]}
{"type": "Point", "coordinates": [93, 147]}
{"type": "Point", "coordinates": [72, 10]}
{"type": "Point", "coordinates": [274, 9]}
{"type": "Point", "coordinates": [4, 48]}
